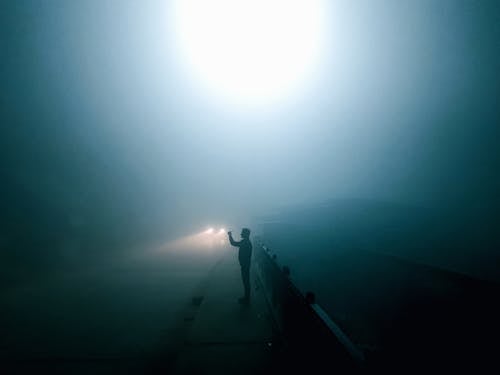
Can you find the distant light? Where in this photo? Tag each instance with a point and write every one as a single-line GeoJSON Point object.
{"type": "Point", "coordinates": [222, 231]}
{"type": "Point", "coordinates": [199, 242]}
{"type": "Point", "coordinates": [250, 50]}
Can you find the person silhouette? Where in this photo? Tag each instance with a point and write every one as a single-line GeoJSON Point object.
{"type": "Point", "coordinates": [244, 257]}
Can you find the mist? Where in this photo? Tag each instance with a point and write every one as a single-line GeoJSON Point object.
{"type": "Point", "coordinates": [109, 142]}
{"type": "Point", "coordinates": [357, 140]}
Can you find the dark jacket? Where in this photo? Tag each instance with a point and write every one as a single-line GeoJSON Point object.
{"type": "Point", "coordinates": [245, 252]}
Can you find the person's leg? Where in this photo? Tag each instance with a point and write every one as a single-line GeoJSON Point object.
{"type": "Point", "coordinates": [245, 276]}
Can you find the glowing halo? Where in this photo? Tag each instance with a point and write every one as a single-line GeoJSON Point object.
{"type": "Point", "coordinates": [251, 51]}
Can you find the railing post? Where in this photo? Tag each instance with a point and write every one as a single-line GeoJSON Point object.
{"type": "Point", "coordinates": [310, 298]}
{"type": "Point", "coordinates": [286, 271]}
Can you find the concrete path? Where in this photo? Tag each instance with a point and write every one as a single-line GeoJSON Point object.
{"type": "Point", "coordinates": [226, 337]}
{"type": "Point", "coordinates": [136, 315]}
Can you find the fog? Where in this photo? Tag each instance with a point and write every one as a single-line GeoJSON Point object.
{"type": "Point", "coordinates": [109, 142]}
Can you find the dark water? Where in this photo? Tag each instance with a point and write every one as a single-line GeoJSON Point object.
{"type": "Point", "coordinates": [398, 305]}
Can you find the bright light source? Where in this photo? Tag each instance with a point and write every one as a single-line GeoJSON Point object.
{"type": "Point", "coordinates": [207, 240]}
{"type": "Point", "coordinates": [222, 231]}
{"type": "Point", "coordinates": [252, 51]}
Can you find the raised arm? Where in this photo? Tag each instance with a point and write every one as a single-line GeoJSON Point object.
{"type": "Point", "coordinates": [232, 241]}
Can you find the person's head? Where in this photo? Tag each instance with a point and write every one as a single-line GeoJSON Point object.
{"type": "Point", "coordinates": [245, 233]}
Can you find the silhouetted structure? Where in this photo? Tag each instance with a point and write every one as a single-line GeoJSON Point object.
{"type": "Point", "coordinates": [244, 257]}
{"type": "Point", "coordinates": [305, 337]}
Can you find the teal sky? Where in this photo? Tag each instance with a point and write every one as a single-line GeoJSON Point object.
{"type": "Point", "coordinates": [101, 127]}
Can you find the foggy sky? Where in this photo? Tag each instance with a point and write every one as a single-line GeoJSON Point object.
{"type": "Point", "coordinates": [104, 134]}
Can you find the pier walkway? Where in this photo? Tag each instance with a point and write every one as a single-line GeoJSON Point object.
{"type": "Point", "coordinates": [159, 312]}
{"type": "Point", "coordinates": [226, 337]}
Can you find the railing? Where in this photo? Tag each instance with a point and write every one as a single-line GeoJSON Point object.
{"type": "Point", "coordinates": [309, 337]}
